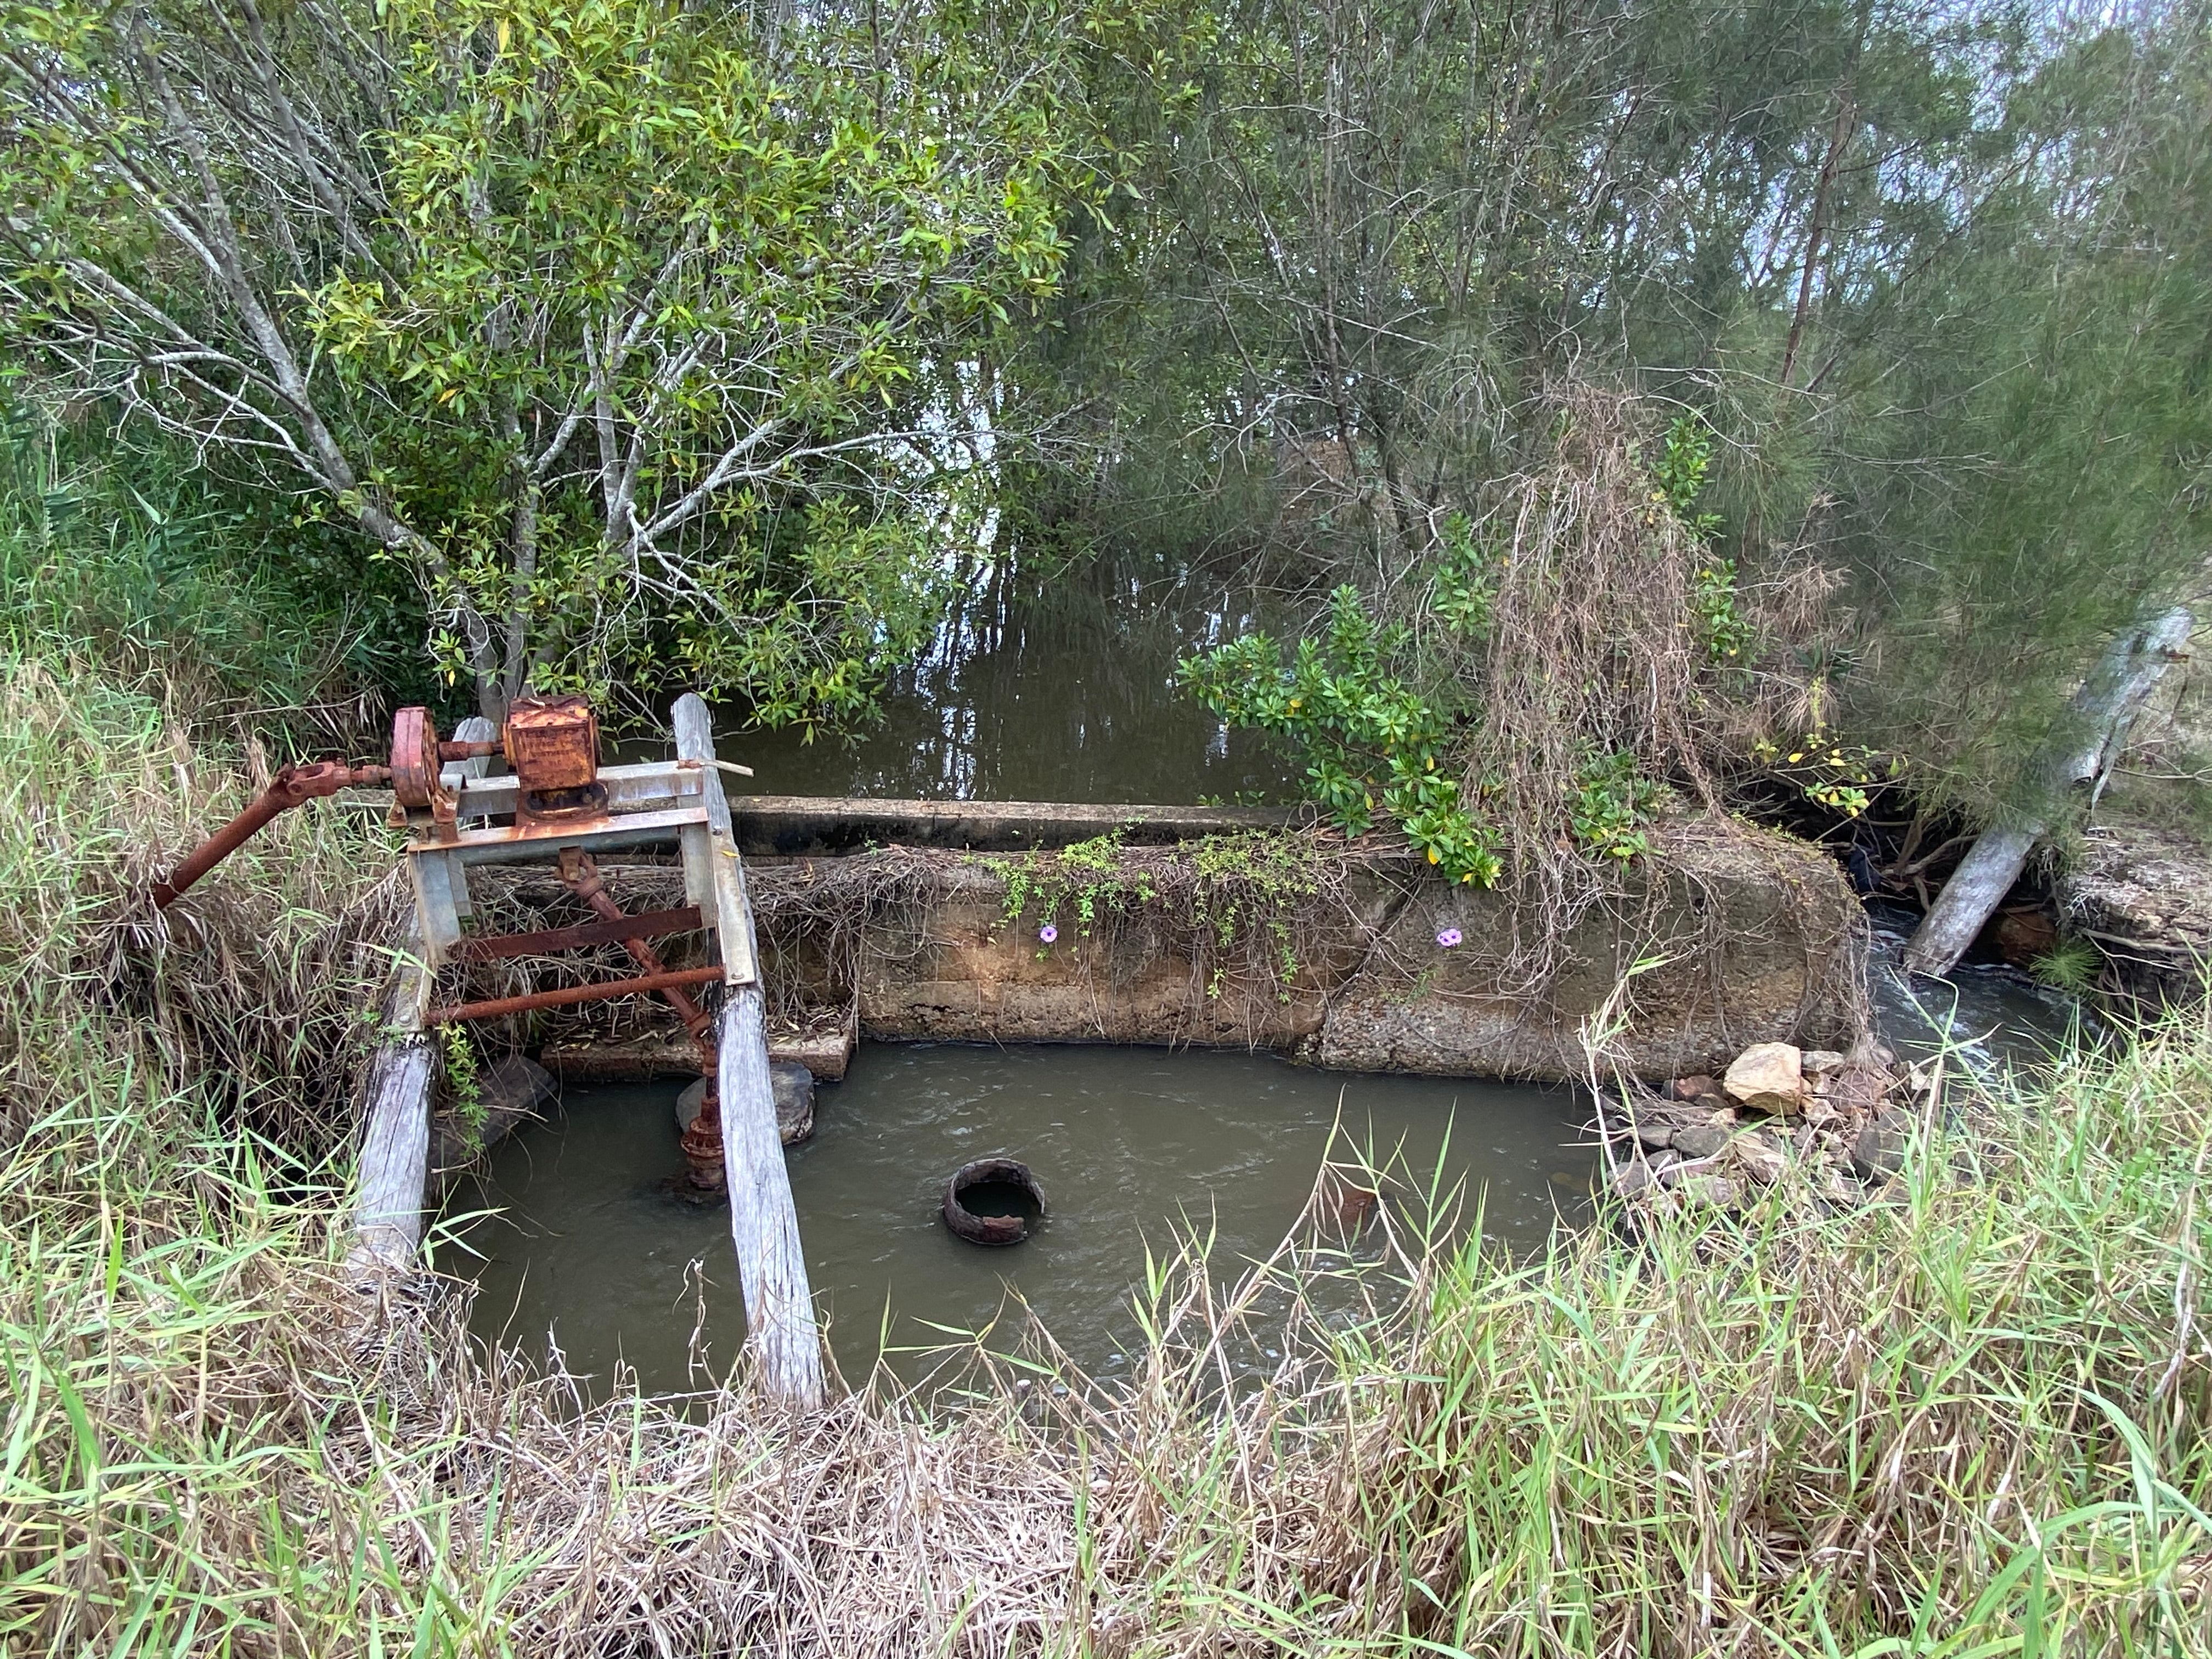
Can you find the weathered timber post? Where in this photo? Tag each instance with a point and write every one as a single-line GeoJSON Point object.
{"type": "Point", "coordinates": [395, 1142]}
{"type": "Point", "coordinates": [2109, 698]}
{"type": "Point", "coordinates": [763, 1220]}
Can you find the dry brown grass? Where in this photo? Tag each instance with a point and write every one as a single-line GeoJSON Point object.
{"type": "Point", "coordinates": [1967, 1419]}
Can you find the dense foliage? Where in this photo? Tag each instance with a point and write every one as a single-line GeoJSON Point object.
{"type": "Point", "coordinates": [1937, 279]}
{"type": "Point", "coordinates": [634, 331]}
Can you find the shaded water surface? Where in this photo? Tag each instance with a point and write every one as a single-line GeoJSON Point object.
{"type": "Point", "coordinates": [1041, 687]}
{"type": "Point", "coordinates": [1130, 1145]}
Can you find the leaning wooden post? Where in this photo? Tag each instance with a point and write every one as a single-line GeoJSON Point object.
{"type": "Point", "coordinates": [395, 1141]}
{"type": "Point", "coordinates": [763, 1220]}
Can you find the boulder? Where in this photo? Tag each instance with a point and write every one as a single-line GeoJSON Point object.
{"type": "Point", "coordinates": [1878, 1152]}
{"type": "Point", "coordinates": [1814, 1062]}
{"type": "Point", "coordinates": [1767, 1077]}
{"type": "Point", "coordinates": [794, 1101]}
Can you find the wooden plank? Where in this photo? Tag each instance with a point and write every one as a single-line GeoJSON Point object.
{"type": "Point", "coordinates": [651, 924]}
{"type": "Point", "coordinates": [763, 1221]}
{"type": "Point", "coordinates": [812, 826]}
{"type": "Point", "coordinates": [780, 1325]}
{"type": "Point", "coordinates": [395, 1156]}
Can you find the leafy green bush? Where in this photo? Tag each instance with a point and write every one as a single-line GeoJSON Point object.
{"type": "Point", "coordinates": [1366, 731]}
{"type": "Point", "coordinates": [125, 555]}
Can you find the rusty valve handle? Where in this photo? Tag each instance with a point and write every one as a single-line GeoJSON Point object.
{"type": "Point", "coordinates": [290, 787]}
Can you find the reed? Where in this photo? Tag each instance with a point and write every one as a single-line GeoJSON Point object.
{"type": "Point", "coordinates": [1966, 1420]}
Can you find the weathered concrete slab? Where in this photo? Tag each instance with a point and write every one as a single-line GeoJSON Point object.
{"type": "Point", "coordinates": [1740, 936]}
{"type": "Point", "coordinates": [803, 826]}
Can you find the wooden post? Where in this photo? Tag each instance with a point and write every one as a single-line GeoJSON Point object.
{"type": "Point", "coordinates": [395, 1143]}
{"type": "Point", "coordinates": [763, 1220]}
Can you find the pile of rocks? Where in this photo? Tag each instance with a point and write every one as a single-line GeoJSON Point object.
{"type": "Point", "coordinates": [1843, 1120]}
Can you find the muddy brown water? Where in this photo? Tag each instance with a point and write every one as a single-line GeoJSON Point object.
{"type": "Point", "coordinates": [1133, 1147]}
{"type": "Point", "coordinates": [1058, 688]}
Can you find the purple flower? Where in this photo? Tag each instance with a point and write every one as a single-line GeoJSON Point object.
{"type": "Point", "coordinates": [1448, 937]}
{"type": "Point", "coordinates": [1048, 933]}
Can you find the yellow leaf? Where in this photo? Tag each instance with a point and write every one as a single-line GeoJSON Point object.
{"type": "Point", "coordinates": [1434, 857]}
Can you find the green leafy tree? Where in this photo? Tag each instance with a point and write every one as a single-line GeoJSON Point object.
{"type": "Point", "coordinates": [636, 330]}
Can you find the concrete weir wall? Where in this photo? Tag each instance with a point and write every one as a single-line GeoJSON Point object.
{"type": "Point", "coordinates": [897, 914]}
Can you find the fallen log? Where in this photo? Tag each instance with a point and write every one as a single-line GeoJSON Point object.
{"type": "Point", "coordinates": [2108, 703]}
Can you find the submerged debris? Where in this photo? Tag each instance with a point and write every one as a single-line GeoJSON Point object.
{"type": "Point", "coordinates": [992, 1200]}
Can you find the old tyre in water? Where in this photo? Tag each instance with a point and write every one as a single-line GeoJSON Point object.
{"type": "Point", "coordinates": [992, 1200]}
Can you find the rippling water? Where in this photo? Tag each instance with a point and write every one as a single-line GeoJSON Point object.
{"type": "Point", "coordinates": [1134, 1147]}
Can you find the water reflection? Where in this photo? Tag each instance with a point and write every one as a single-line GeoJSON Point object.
{"type": "Point", "coordinates": [1049, 686]}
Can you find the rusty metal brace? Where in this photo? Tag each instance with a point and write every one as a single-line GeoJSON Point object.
{"type": "Point", "coordinates": [702, 1140]}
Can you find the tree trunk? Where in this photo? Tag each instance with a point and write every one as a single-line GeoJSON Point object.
{"type": "Point", "coordinates": [2109, 699]}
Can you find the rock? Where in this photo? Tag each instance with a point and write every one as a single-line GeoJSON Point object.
{"type": "Point", "coordinates": [1640, 1174]}
{"type": "Point", "coordinates": [1767, 1077]}
{"type": "Point", "coordinates": [1716, 1190]}
{"type": "Point", "coordinates": [1814, 1060]}
{"type": "Point", "coordinates": [1879, 1151]}
{"type": "Point", "coordinates": [1759, 1158]}
{"type": "Point", "coordinates": [1872, 1053]}
{"type": "Point", "coordinates": [2021, 936]}
{"type": "Point", "coordinates": [1701, 1140]}
{"type": "Point", "coordinates": [1856, 1088]}
{"type": "Point", "coordinates": [1695, 1088]}
{"type": "Point", "coordinates": [794, 1101]}
{"type": "Point", "coordinates": [1654, 1132]}
{"type": "Point", "coordinates": [508, 1091]}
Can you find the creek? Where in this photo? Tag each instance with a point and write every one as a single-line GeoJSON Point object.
{"type": "Point", "coordinates": [1057, 689]}
{"type": "Point", "coordinates": [1135, 1148]}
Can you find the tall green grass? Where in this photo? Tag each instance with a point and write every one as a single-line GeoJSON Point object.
{"type": "Point", "coordinates": [1968, 1418]}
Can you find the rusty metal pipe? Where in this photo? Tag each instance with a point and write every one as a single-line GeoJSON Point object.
{"type": "Point", "coordinates": [702, 1141]}
{"type": "Point", "coordinates": [564, 995]}
{"type": "Point", "coordinates": [290, 787]}
{"type": "Point", "coordinates": [582, 876]}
